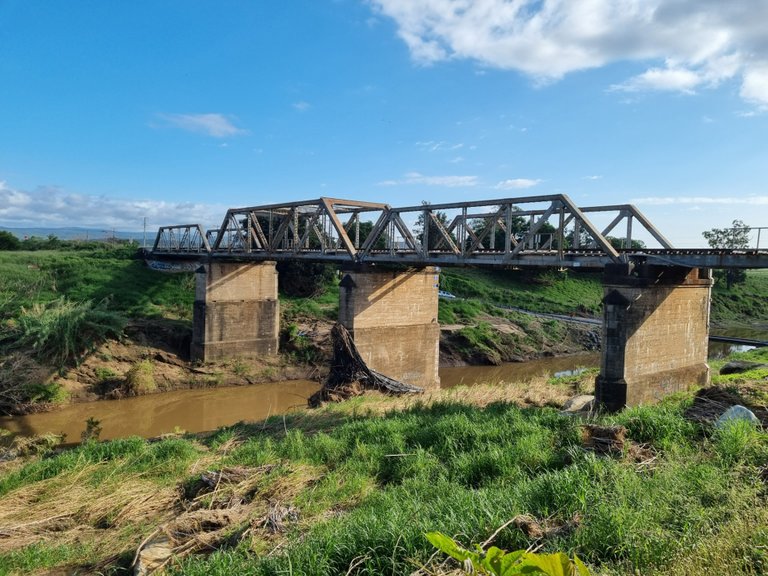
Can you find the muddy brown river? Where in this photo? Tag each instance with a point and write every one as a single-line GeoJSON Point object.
{"type": "Point", "coordinates": [208, 409]}
{"type": "Point", "coordinates": [200, 410]}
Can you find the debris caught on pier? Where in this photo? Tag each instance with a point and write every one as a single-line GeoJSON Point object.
{"type": "Point", "coordinates": [350, 375]}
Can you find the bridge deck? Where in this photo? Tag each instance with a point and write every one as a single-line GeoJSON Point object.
{"type": "Point", "coordinates": [504, 232]}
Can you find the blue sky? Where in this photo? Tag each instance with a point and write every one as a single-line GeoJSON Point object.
{"type": "Point", "coordinates": [175, 110]}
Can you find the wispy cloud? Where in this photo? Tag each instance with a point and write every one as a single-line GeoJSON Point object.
{"type": "Point", "coordinates": [302, 106]}
{"type": "Point", "coordinates": [727, 200]}
{"type": "Point", "coordinates": [435, 146]}
{"type": "Point", "coordinates": [593, 177]}
{"type": "Point", "coordinates": [446, 181]}
{"type": "Point", "coordinates": [213, 124]}
{"type": "Point", "coordinates": [52, 206]}
{"type": "Point", "coordinates": [701, 42]}
{"type": "Point", "coordinates": [517, 184]}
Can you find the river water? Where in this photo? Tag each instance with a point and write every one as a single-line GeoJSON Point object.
{"type": "Point", "coordinates": [207, 409]}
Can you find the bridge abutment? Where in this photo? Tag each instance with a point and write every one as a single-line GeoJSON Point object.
{"type": "Point", "coordinates": [236, 311]}
{"type": "Point", "coordinates": [392, 316]}
{"type": "Point", "coordinates": [655, 333]}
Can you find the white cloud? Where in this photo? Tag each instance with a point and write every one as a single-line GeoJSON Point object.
{"type": "Point", "coordinates": [446, 181]}
{"type": "Point", "coordinates": [726, 200]}
{"type": "Point", "coordinates": [701, 42]}
{"type": "Point", "coordinates": [755, 86]}
{"type": "Point", "coordinates": [215, 125]}
{"type": "Point", "coordinates": [50, 206]}
{"type": "Point", "coordinates": [302, 106]}
{"type": "Point", "coordinates": [669, 79]}
{"type": "Point", "coordinates": [434, 146]}
{"type": "Point", "coordinates": [516, 184]}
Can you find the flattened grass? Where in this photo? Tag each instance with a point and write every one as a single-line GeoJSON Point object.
{"type": "Point", "coordinates": [467, 471]}
{"type": "Point", "coordinates": [369, 477]}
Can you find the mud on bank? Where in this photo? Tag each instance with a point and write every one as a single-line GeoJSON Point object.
{"type": "Point", "coordinates": [153, 357]}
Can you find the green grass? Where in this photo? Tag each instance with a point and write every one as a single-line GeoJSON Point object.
{"type": "Point", "coordinates": [743, 303]}
{"type": "Point", "coordinates": [325, 305]}
{"type": "Point", "coordinates": [368, 487]}
{"type": "Point", "coordinates": [466, 471]}
{"type": "Point", "coordinates": [133, 289]}
{"type": "Point", "coordinates": [543, 291]}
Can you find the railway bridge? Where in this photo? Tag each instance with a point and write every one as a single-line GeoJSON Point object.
{"type": "Point", "coordinates": [655, 306]}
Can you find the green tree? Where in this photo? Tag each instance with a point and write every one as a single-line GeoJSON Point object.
{"type": "Point", "coordinates": [734, 238]}
{"type": "Point", "coordinates": [8, 241]}
{"type": "Point", "coordinates": [434, 233]}
{"type": "Point", "coordinates": [618, 243]}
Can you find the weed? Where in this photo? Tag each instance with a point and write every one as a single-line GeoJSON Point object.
{"type": "Point", "coordinates": [47, 393]}
{"type": "Point", "coordinates": [740, 441]}
{"type": "Point", "coordinates": [104, 374]}
{"type": "Point", "coordinates": [241, 368]}
{"type": "Point", "coordinates": [62, 331]}
{"type": "Point", "coordinates": [497, 562]}
{"type": "Point", "coordinates": [92, 430]}
{"type": "Point", "coordinates": [140, 379]}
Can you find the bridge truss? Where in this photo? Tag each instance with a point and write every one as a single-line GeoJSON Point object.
{"type": "Point", "coordinates": [527, 231]}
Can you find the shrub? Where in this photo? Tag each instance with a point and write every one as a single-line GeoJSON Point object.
{"type": "Point", "coordinates": [140, 379]}
{"type": "Point", "coordinates": [8, 241]}
{"type": "Point", "coordinates": [63, 331]}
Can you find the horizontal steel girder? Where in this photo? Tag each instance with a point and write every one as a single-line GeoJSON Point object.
{"type": "Point", "coordinates": [532, 231]}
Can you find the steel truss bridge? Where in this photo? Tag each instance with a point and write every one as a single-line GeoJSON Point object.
{"type": "Point", "coordinates": [539, 231]}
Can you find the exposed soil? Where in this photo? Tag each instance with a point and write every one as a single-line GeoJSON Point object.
{"type": "Point", "coordinates": [164, 345]}
{"type": "Point", "coordinates": [153, 356]}
{"type": "Point", "coordinates": [511, 342]}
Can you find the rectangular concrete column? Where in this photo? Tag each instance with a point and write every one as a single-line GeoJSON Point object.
{"type": "Point", "coordinates": [655, 333]}
{"type": "Point", "coordinates": [392, 316]}
{"type": "Point", "coordinates": [236, 313]}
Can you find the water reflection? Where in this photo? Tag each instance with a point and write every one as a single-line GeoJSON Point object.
{"type": "Point", "coordinates": [516, 371]}
{"type": "Point", "coordinates": [189, 410]}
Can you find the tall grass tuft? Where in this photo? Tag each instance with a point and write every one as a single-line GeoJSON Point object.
{"type": "Point", "coordinates": [63, 331]}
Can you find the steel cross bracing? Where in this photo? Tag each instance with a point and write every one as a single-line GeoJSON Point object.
{"type": "Point", "coordinates": [528, 231]}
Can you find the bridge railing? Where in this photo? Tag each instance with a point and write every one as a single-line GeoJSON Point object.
{"type": "Point", "coordinates": [182, 238]}
{"type": "Point", "coordinates": [498, 231]}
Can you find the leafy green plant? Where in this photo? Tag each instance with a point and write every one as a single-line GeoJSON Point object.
{"type": "Point", "coordinates": [497, 562]}
{"type": "Point", "coordinates": [63, 331]}
{"type": "Point", "coordinates": [140, 379]}
{"type": "Point", "coordinates": [92, 429]}
{"type": "Point", "coordinates": [49, 392]}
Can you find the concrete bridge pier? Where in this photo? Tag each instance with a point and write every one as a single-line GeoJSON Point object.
{"type": "Point", "coordinates": [392, 316]}
{"type": "Point", "coordinates": [655, 333]}
{"type": "Point", "coordinates": [236, 311]}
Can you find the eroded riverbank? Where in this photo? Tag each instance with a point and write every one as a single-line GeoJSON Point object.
{"type": "Point", "coordinates": [199, 410]}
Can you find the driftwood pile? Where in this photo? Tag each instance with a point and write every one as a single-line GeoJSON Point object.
{"type": "Point", "coordinates": [350, 375]}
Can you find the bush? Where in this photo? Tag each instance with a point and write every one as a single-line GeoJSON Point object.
{"type": "Point", "coordinates": [8, 241]}
{"type": "Point", "coordinates": [140, 379]}
{"type": "Point", "coordinates": [63, 331]}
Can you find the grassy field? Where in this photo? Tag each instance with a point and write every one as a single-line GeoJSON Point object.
{"type": "Point", "coordinates": [95, 275]}
{"type": "Point", "coordinates": [743, 302]}
{"type": "Point", "coordinates": [352, 488]}
{"type": "Point", "coordinates": [548, 291]}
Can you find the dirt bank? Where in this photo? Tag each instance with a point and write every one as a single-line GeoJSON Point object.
{"type": "Point", "coordinates": [153, 357]}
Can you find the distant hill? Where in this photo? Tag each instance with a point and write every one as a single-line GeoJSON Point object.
{"type": "Point", "coordinates": [75, 233]}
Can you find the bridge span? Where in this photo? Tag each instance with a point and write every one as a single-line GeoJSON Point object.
{"type": "Point", "coordinates": [655, 306]}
